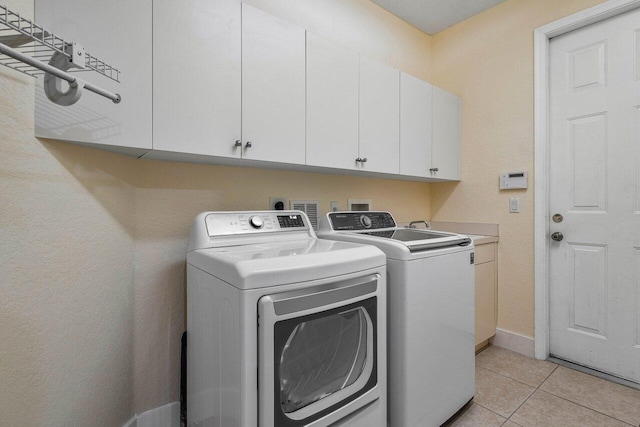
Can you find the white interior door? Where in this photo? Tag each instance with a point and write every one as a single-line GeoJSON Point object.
{"type": "Point", "coordinates": [595, 186]}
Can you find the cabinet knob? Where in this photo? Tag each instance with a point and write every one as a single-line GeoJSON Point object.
{"type": "Point", "coordinates": [358, 159]}
{"type": "Point", "coordinates": [433, 170]}
{"type": "Point", "coordinates": [238, 143]}
{"type": "Point", "coordinates": [364, 160]}
{"type": "Point", "coordinates": [248, 144]}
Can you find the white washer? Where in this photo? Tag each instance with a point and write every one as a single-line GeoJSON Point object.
{"type": "Point", "coordinates": [431, 346]}
{"type": "Point", "coordinates": [283, 329]}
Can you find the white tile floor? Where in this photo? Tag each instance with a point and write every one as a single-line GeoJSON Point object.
{"type": "Point", "coordinates": [515, 390]}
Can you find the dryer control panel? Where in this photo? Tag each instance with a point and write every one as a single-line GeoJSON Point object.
{"type": "Point", "coordinates": [354, 221]}
{"type": "Point", "coordinates": [228, 223]}
{"type": "Point", "coordinates": [222, 229]}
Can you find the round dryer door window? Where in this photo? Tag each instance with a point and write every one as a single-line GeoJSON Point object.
{"type": "Point", "coordinates": [321, 357]}
{"type": "Point", "coordinates": [318, 352]}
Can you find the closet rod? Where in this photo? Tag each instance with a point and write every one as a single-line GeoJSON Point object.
{"type": "Point", "coordinates": [57, 72]}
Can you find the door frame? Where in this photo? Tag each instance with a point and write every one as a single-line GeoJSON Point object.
{"type": "Point", "coordinates": [542, 36]}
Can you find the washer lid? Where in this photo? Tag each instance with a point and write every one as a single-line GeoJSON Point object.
{"type": "Point", "coordinates": [381, 225]}
{"type": "Point", "coordinates": [280, 263]}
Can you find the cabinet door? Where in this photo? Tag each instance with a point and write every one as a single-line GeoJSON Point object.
{"type": "Point", "coordinates": [119, 33]}
{"type": "Point", "coordinates": [379, 116]}
{"type": "Point", "coordinates": [332, 104]}
{"type": "Point", "coordinates": [415, 126]}
{"type": "Point", "coordinates": [446, 135]}
{"type": "Point", "coordinates": [485, 301]}
{"type": "Point", "coordinates": [273, 88]}
{"type": "Point", "coordinates": [196, 76]}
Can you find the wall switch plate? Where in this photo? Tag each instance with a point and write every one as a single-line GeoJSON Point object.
{"type": "Point", "coordinates": [514, 204]}
{"type": "Point", "coordinates": [335, 206]}
{"type": "Point", "coordinates": [277, 203]}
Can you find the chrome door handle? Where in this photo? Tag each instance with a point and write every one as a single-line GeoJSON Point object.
{"type": "Point", "coordinates": [557, 236]}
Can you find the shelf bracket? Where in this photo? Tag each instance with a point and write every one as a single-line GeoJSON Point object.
{"type": "Point", "coordinates": [26, 37]}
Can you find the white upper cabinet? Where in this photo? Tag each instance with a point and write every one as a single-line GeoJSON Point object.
{"type": "Point", "coordinates": [119, 33]}
{"type": "Point", "coordinates": [273, 88]}
{"type": "Point", "coordinates": [223, 82]}
{"type": "Point", "coordinates": [379, 117]}
{"type": "Point", "coordinates": [415, 126]}
{"type": "Point", "coordinates": [445, 162]}
{"type": "Point", "coordinates": [332, 104]}
{"type": "Point", "coordinates": [197, 78]}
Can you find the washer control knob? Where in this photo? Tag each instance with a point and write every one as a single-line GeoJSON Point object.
{"type": "Point", "coordinates": [256, 221]}
{"type": "Point", "coordinates": [366, 221]}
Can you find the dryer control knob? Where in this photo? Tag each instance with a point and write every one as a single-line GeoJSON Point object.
{"type": "Point", "coordinates": [366, 221]}
{"type": "Point", "coordinates": [256, 221]}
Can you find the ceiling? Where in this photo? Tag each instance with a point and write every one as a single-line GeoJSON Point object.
{"type": "Point", "coordinates": [433, 16]}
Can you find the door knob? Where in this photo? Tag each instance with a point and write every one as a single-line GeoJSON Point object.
{"type": "Point", "coordinates": [557, 236]}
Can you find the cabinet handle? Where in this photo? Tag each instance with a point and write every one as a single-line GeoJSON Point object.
{"type": "Point", "coordinates": [358, 159]}
{"type": "Point", "coordinates": [361, 160]}
{"type": "Point", "coordinates": [248, 144]}
{"type": "Point", "coordinates": [238, 143]}
{"type": "Point", "coordinates": [364, 160]}
{"type": "Point", "coordinates": [433, 170]}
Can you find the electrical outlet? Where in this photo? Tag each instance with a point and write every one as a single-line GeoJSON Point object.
{"type": "Point", "coordinates": [277, 203]}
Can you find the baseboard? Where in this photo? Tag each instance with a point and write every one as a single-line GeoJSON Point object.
{"type": "Point", "coordinates": [514, 342]}
{"type": "Point", "coordinates": [163, 416]}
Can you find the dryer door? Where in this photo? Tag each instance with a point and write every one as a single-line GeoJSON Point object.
{"type": "Point", "coordinates": [318, 353]}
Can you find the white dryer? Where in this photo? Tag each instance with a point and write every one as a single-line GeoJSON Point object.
{"type": "Point", "coordinates": [430, 291]}
{"type": "Point", "coordinates": [283, 329]}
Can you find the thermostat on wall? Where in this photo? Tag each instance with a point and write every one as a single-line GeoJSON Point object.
{"type": "Point", "coordinates": [513, 180]}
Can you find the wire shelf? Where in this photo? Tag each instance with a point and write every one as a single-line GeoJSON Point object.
{"type": "Point", "coordinates": [26, 37]}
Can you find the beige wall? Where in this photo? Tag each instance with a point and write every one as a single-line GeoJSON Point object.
{"type": "Point", "coordinates": [488, 60]}
{"type": "Point", "coordinates": [92, 244]}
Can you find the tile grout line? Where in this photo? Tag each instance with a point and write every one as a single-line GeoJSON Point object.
{"type": "Point", "coordinates": [517, 380]}
{"type": "Point", "coordinates": [544, 391]}
{"type": "Point", "coordinates": [586, 407]}
{"type": "Point", "coordinates": [578, 403]}
{"type": "Point", "coordinates": [560, 397]}
{"type": "Point", "coordinates": [528, 397]}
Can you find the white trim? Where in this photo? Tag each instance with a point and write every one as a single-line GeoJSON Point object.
{"type": "Point", "coordinates": [162, 416]}
{"type": "Point", "coordinates": [514, 342]}
{"type": "Point", "coordinates": [541, 132]}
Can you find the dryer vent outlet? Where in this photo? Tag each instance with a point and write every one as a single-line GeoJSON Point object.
{"type": "Point", "coordinates": [310, 207]}
{"type": "Point", "coordinates": [277, 203]}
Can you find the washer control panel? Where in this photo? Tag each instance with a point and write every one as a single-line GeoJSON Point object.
{"type": "Point", "coordinates": [229, 223]}
{"type": "Point", "coordinates": [344, 221]}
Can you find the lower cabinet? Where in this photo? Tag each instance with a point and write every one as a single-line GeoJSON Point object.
{"type": "Point", "coordinates": [486, 292]}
